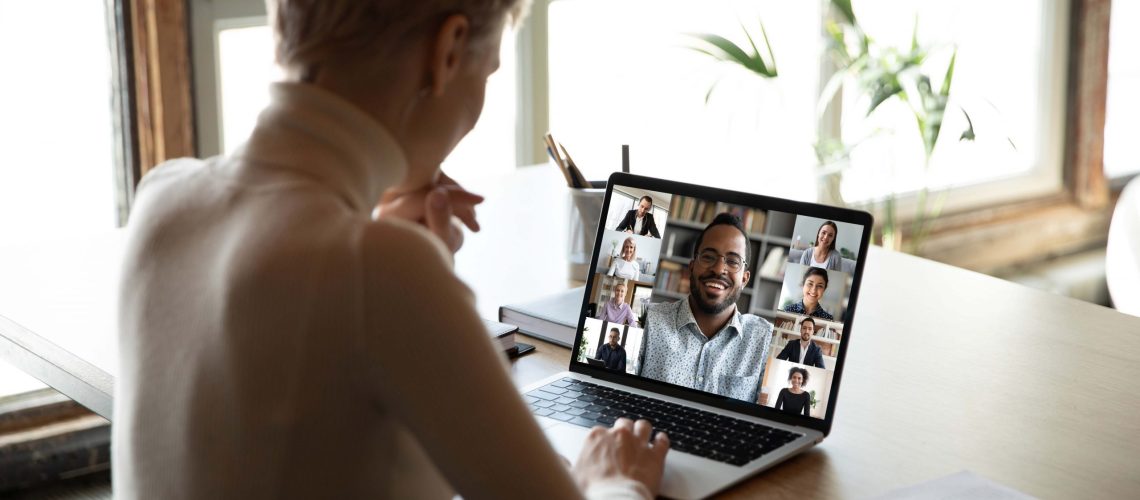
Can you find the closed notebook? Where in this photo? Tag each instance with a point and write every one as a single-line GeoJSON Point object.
{"type": "Point", "coordinates": [553, 318]}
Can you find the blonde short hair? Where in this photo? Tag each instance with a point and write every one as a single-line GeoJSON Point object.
{"type": "Point", "coordinates": [308, 32]}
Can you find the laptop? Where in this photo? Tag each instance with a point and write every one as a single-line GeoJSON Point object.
{"type": "Point", "coordinates": [732, 325]}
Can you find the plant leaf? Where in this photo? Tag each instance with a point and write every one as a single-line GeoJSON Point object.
{"type": "Point", "coordinates": [733, 53]}
{"type": "Point", "coordinates": [968, 134]}
{"type": "Point", "coordinates": [828, 93]}
{"type": "Point", "coordinates": [914, 35]}
{"type": "Point", "coordinates": [837, 45]}
{"type": "Point", "coordinates": [712, 87]}
{"type": "Point", "coordinates": [883, 88]}
{"type": "Point", "coordinates": [844, 8]}
{"type": "Point", "coordinates": [949, 75]}
{"type": "Point", "coordinates": [768, 44]}
{"type": "Point", "coordinates": [749, 36]}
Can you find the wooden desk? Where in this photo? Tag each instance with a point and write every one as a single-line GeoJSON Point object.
{"type": "Point", "coordinates": [947, 370]}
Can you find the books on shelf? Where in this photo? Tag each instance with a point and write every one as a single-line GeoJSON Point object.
{"type": "Point", "coordinates": [703, 211]}
{"type": "Point", "coordinates": [673, 277]}
{"type": "Point", "coordinates": [774, 265]}
{"type": "Point", "coordinates": [786, 323]}
{"type": "Point", "coordinates": [553, 318]}
{"type": "Point", "coordinates": [826, 332]}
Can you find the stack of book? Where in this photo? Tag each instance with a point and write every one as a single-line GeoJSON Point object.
{"type": "Point", "coordinates": [504, 336]}
{"type": "Point", "coordinates": [553, 319]}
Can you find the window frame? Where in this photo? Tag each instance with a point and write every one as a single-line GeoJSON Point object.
{"type": "Point", "coordinates": [152, 122]}
{"type": "Point", "coordinates": [1072, 220]}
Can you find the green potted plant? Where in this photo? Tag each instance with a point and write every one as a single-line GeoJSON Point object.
{"type": "Point", "coordinates": [883, 74]}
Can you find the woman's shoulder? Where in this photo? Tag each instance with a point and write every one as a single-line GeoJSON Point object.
{"type": "Point", "coordinates": [404, 243]}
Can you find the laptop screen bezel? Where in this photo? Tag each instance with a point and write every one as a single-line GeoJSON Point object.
{"type": "Point", "coordinates": [767, 203]}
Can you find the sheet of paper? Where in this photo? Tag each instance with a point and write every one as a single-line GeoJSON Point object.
{"type": "Point", "coordinates": [962, 485]}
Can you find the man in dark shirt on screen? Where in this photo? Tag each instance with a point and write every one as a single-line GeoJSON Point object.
{"type": "Point", "coordinates": [612, 353]}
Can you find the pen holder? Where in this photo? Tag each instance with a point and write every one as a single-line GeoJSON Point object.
{"type": "Point", "coordinates": [585, 216]}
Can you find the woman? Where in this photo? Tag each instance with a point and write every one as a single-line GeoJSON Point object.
{"type": "Point", "coordinates": [814, 285]}
{"type": "Point", "coordinates": [823, 254]}
{"type": "Point", "coordinates": [278, 342]}
{"type": "Point", "coordinates": [626, 265]}
{"type": "Point", "coordinates": [794, 399]}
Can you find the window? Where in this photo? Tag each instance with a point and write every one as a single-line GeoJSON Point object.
{"type": "Point", "coordinates": [245, 68]}
{"type": "Point", "coordinates": [633, 80]}
{"type": "Point", "coordinates": [490, 148]}
{"type": "Point", "coordinates": [1123, 105]}
{"type": "Point", "coordinates": [58, 174]}
{"type": "Point", "coordinates": [240, 76]}
{"type": "Point", "coordinates": [1009, 77]}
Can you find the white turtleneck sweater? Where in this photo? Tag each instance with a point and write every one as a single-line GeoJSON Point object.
{"type": "Point", "coordinates": [278, 343]}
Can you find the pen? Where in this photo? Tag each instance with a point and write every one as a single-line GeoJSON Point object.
{"type": "Point", "coordinates": [558, 163]}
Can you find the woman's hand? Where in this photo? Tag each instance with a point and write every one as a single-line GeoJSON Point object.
{"type": "Point", "coordinates": [433, 206]}
{"type": "Point", "coordinates": [623, 452]}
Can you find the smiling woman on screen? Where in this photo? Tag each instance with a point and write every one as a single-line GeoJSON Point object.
{"type": "Point", "coordinates": [823, 254]}
{"type": "Point", "coordinates": [625, 266]}
{"type": "Point", "coordinates": [814, 285]}
{"type": "Point", "coordinates": [277, 341]}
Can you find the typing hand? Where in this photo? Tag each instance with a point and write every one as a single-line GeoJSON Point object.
{"type": "Point", "coordinates": [623, 451]}
{"type": "Point", "coordinates": [433, 206]}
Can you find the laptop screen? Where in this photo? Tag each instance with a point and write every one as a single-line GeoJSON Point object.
{"type": "Point", "coordinates": [738, 300]}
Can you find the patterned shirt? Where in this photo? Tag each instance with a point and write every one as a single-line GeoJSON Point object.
{"type": "Point", "coordinates": [799, 308]}
{"type": "Point", "coordinates": [731, 363]}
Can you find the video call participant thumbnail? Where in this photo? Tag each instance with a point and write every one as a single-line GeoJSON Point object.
{"type": "Point", "coordinates": [625, 265]}
{"type": "Point", "coordinates": [639, 220]}
{"type": "Point", "coordinates": [814, 285]}
{"type": "Point", "coordinates": [805, 351]}
{"type": "Point", "coordinates": [794, 399]}
{"type": "Point", "coordinates": [824, 254]}
{"type": "Point", "coordinates": [616, 310]}
{"type": "Point", "coordinates": [702, 341]}
{"type": "Point", "coordinates": [612, 353]}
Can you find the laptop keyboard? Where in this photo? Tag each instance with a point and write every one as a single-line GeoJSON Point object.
{"type": "Point", "coordinates": [690, 430]}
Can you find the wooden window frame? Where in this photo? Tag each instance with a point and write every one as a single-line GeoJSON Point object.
{"type": "Point", "coordinates": [996, 238]}
{"type": "Point", "coordinates": [158, 62]}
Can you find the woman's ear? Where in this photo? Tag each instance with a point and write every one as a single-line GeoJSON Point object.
{"type": "Point", "coordinates": [448, 52]}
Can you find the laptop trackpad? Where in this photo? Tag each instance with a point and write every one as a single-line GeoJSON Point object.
{"type": "Point", "coordinates": [566, 438]}
{"type": "Point", "coordinates": [684, 476]}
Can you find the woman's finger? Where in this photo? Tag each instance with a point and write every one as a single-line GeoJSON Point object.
{"type": "Point", "coordinates": [438, 217]}
{"type": "Point", "coordinates": [642, 429]}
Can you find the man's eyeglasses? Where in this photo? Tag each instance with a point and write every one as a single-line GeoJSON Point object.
{"type": "Point", "coordinates": [709, 258]}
